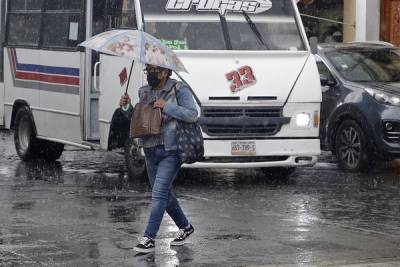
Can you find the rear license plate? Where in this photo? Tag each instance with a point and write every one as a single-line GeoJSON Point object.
{"type": "Point", "coordinates": [243, 148]}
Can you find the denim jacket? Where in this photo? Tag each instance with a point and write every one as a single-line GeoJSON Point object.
{"type": "Point", "coordinates": [185, 111]}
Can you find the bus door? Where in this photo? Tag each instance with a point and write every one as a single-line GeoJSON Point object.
{"type": "Point", "coordinates": [102, 15]}
{"type": "Point", "coordinates": [95, 23]}
{"type": "Point", "coordinates": [2, 91]}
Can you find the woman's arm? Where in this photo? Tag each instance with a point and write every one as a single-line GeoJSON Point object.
{"type": "Point", "coordinates": [186, 110]}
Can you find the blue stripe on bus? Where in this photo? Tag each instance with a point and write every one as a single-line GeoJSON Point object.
{"type": "Point", "coordinates": [48, 69]}
{"type": "Point", "coordinates": [43, 68]}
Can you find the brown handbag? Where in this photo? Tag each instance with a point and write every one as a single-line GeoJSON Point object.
{"type": "Point", "coordinates": [146, 121]}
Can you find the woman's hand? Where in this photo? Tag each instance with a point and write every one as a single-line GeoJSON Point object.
{"type": "Point", "coordinates": [125, 100]}
{"type": "Point", "coordinates": [160, 103]}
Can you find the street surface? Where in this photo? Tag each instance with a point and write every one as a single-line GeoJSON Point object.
{"type": "Point", "coordinates": [82, 211]}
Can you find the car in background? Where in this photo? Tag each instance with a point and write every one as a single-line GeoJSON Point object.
{"type": "Point", "coordinates": [360, 111]}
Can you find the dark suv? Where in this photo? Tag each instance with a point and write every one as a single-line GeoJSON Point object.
{"type": "Point", "coordinates": [360, 112]}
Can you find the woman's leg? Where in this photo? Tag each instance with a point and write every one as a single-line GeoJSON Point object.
{"type": "Point", "coordinates": [167, 170]}
{"type": "Point", "coordinates": [173, 208]}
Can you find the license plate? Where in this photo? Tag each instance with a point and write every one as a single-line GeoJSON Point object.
{"type": "Point", "coordinates": [243, 148]}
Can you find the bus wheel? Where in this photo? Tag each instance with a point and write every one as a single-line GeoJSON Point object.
{"type": "Point", "coordinates": [51, 151]}
{"type": "Point", "coordinates": [135, 162]}
{"type": "Point", "coordinates": [26, 143]}
{"type": "Point", "coordinates": [278, 172]}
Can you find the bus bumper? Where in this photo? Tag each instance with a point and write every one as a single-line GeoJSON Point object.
{"type": "Point", "coordinates": [268, 153]}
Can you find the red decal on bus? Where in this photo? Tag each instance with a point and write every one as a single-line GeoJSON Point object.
{"type": "Point", "coordinates": [241, 78]}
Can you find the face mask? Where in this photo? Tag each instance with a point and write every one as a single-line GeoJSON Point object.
{"type": "Point", "coordinates": [152, 79]}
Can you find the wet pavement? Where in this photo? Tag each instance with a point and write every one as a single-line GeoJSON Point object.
{"type": "Point", "coordinates": [83, 211]}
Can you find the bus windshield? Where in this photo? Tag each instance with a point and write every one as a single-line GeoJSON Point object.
{"type": "Point", "coordinates": [223, 25]}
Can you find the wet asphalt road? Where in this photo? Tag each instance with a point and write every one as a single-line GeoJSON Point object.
{"type": "Point", "coordinates": [82, 211]}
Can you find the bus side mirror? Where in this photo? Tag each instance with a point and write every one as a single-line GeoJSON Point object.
{"type": "Point", "coordinates": [326, 81]}
{"type": "Point", "coordinates": [314, 45]}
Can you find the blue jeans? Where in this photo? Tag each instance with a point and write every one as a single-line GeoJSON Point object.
{"type": "Point", "coordinates": [162, 168]}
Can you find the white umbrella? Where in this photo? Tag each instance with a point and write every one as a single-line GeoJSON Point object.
{"type": "Point", "coordinates": [135, 45]}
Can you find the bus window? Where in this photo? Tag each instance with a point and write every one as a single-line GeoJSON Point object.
{"type": "Point", "coordinates": [62, 23]}
{"type": "Point", "coordinates": [2, 34]}
{"type": "Point", "coordinates": [121, 14]}
{"type": "Point", "coordinates": [24, 29]}
{"type": "Point", "coordinates": [24, 5]}
{"type": "Point", "coordinates": [99, 19]}
{"type": "Point", "coordinates": [24, 22]}
{"type": "Point", "coordinates": [61, 30]}
{"type": "Point", "coordinates": [64, 5]}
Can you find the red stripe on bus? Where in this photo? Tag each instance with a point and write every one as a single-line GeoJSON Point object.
{"type": "Point", "coordinates": [47, 78]}
{"type": "Point", "coordinates": [12, 59]}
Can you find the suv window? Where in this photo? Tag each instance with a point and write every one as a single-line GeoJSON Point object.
{"type": "Point", "coordinates": [323, 70]}
{"type": "Point", "coordinates": [367, 64]}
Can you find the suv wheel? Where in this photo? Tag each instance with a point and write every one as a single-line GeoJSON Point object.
{"type": "Point", "coordinates": [135, 162]}
{"type": "Point", "coordinates": [351, 147]}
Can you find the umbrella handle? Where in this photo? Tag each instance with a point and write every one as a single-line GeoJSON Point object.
{"type": "Point", "coordinates": [129, 78]}
{"type": "Point", "coordinates": [126, 107]}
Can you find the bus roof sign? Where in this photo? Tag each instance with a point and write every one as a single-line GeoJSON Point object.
{"type": "Point", "coordinates": [221, 6]}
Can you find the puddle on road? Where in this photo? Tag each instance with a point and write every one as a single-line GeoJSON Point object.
{"type": "Point", "coordinates": [311, 245]}
{"type": "Point", "coordinates": [124, 214]}
{"type": "Point", "coordinates": [232, 237]}
{"type": "Point", "coordinates": [23, 205]}
{"type": "Point", "coordinates": [5, 171]}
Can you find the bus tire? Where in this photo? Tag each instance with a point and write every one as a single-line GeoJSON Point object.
{"type": "Point", "coordinates": [26, 143]}
{"type": "Point", "coordinates": [51, 151]}
{"type": "Point", "coordinates": [134, 160]}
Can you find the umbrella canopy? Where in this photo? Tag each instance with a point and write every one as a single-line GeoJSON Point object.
{"type": "Point", "coordinates": [135, 45]}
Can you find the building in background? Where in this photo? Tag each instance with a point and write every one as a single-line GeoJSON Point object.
{"type": "Point", "coordinates": [390, 21]}
{"type": "Point", "coordinates": [323, 19]}
{"type": "Point", "coordinates": [352, 20]}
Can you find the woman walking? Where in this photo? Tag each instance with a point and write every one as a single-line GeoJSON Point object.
{"type": "Point", "coordinates": [162, 159]}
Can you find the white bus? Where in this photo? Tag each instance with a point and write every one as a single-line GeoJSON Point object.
{"type": "Point", "coordinates": [250, 67]}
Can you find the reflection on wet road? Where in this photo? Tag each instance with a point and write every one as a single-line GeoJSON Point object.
{"type": "Point", "coordinates": [82, 211]}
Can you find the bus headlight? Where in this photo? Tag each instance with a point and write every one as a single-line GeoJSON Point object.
{"type": "Point", "coordinates": [303, 120]}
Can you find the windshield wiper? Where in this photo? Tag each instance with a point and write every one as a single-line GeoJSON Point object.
{"type": "Point", "coordinates": [225, 31]}
{"type": "Point", "coordinates": [255, 30]}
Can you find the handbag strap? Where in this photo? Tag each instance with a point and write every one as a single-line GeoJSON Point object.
{"type": "Point", "coordinates": [190, 88]}
{"type": "Point", "coordinates": [176, 96]}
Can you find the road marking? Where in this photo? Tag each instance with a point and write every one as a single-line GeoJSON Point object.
{"type": "Point", "coordinates": [389, 263]}
{"type": "Point", "coordinates": [196, 197]}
